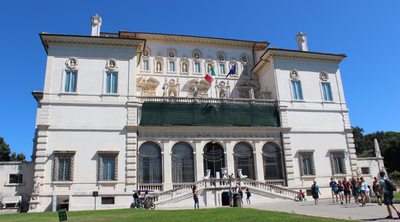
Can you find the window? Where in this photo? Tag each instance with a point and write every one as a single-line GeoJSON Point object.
{"type": "Point", "coordinates": [145, 65]}
{"type": "Point", "coordinates": [182, 163]}
{"type": "Point", "coordinates": [108, 165]}
{"type": "Point", "coordinates": [307, 164]}
{"type": "Point", "coordinates": [296, 86]}
{"type": "Point", "coordinates": [150, 168]}
{"type": "Point", "coordinates": [326, 89]}
{"type": "Point", "coordinates": [70, 81]}
{"type": "Point", "coordinates": [338, 163]}
{"type": "Point", "coordinates": [111, 83]}
{"type": "Point", "coordinates": [171, 66]}
{"type": "Point", "coordinates": [272, 161]}
{"type": "Point", "coordinates": [15, 178]}
{"type": "Point", "coordinates": [63, 166]}
{"type": "Point", "coordinates": [107, 200]}
{"type": "Point", "coordinates": [245, 72]}
{"type": "Point", "coordinates": [365, 170]}
{"type": "Point", "coordinates": [222, 68]}
{"type": "Point", "coordinates": [197, 67]}
{"type": "Point", "coordinates": [243, 159]}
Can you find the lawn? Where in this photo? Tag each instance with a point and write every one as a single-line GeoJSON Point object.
{"type": "Point", "coordinates": [215, 214]}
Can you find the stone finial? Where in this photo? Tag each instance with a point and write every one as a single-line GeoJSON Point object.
{"type": "Point", "coordinates": [96, 24]}
{"type": "Point", "coordinates": [302, 41]}
{"type": "Point", "coordinates": [377, 150]}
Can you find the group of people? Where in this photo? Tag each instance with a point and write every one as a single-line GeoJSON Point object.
{"type": "Point", "coordinates": [344, 189]}
{"type": "Point", "coordinates": [231, 192]}
{"type": "Point", "coordinates": [361, 191]}
{"type": "Point", "coordinates": [137, 196]}
{"type": "Point", "coordinates": [238, 190]}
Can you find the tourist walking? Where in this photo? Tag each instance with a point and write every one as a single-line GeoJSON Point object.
{"type": "Point", "coordinates": [333, 185]}
{"type": "Point", "coordinates": [347, 192]}
{"type": "Point", "coordinates": [230, 195]}
{"type": "Point", "coordinates": [355, 189]}
{"type": "Point", "coordinates": [315, 192]}
{"type": "Point", "coordinates": [340, 191]}
{"type": "Point", "coordinates": [196, 197]}
{"type": "Point", "coordinates": [364, 191]}
{"type": "Point", "coordinates": [248, 195]}
{"type": "Point", "coordinates": [388, 196]}
{"type": "Point", "coordinates": [375, 188]}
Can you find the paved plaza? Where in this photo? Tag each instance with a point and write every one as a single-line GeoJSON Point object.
{"type": "Point", "coordinates": [370, 212]}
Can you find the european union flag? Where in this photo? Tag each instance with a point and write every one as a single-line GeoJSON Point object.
{"type": "Point", "coordinates": [232, 71]}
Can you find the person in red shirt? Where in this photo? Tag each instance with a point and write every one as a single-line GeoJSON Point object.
{"type": "Point", "coordinates": [347, 187]}
{"type": "Point", "coordinates": [303, 195]}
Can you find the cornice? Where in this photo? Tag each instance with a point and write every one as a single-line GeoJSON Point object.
{"type": "Point", "coordinates": [196, 40]}
{"type": "Point", "coordinates": [274, 53]}
{"type": "Point", "coordinates": [48, 39]}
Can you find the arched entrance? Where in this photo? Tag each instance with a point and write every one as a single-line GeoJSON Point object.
{"type": "Point", "coordinates": [214, 158]}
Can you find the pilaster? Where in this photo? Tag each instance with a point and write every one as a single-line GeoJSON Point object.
{"type": "Point", "coordinates": [166, 155]}
{"type": "Point", "coordinates": [351, 152]}
{"type": "Point", "coordinates": [288, 158]}
{"type": "Point", "coordinates": [131, 160]}
{"type": "Point", "coordinates": [259, 161]}
{"type": "Point", "coordinates": [229, 157]}
{"type": "Point", "coordinates": [199, 166]}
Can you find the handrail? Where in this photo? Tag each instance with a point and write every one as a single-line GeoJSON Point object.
{"type": "Point", "coordinates": [225, 183]}
{"type": "Point", "coordinates": [142, 99]}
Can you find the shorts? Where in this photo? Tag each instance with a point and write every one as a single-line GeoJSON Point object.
{"type": "Point", "coordinates": [388, 198]}
{"type": "Point", "coordinates": [334, 192]}
{"type": "Point", "coordinates": [340, 192]}
{"type": "Point", "coordinates": [362, 192]}
{"type": "Point", "coordinates": [347, 192]}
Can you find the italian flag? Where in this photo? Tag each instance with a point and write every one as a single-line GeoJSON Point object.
{"type": "Point", "coordinates": [210, 76]}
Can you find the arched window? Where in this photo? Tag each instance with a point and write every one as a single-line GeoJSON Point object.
{"type": "Point", "coordinates": [272, 159]}
{"type": "Point", "coordinates": [150, 169]}
{"type": "Point", "coordinates": [243, 155]}
{"type": "Point", "coordinates": [214, 158]}
{"type": "Point", "coordinates": [182, 163]}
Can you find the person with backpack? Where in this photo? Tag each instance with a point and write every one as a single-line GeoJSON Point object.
{"type": "Point", "coordinates": [387, 187]}
{"type": "Point", "coordinates": [347, 192]}
{"type": "Point", "coordinates": [334, 191]}
{"type": "Point", "coordinates": [315, 192]}
{"type": "Point", "coordinates": [196, 197]}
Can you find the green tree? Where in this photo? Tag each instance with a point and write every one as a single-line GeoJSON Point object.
{"type": "Point", "coordinates": [5, 152]}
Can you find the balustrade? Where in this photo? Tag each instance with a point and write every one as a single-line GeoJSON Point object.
{"type": "Point", "coordinates": [142, 99]}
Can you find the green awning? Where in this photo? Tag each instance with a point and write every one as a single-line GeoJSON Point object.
{"type": "Point", "coordinates": [208, 114]}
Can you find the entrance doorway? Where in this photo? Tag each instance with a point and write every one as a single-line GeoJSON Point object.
{"type": "Point", "coordinates": [214, 158]}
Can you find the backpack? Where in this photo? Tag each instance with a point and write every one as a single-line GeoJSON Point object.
{"type": "Point", "coordinates": [390, 185]}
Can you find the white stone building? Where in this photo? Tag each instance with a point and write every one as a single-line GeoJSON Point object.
{"type": "Point", "coordinates": [127, 111]}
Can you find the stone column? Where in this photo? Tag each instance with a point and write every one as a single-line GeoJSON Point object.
{"type": "Point", "coordinates": [167, 173]}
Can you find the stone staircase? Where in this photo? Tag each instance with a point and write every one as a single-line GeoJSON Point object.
{"type": "Point", "coordinates": [260, 188]}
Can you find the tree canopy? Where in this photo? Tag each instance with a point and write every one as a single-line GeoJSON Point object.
{"type": "Point", "coordinates": [389, 144]}
{"type": "Point", "coordinates": [5, 152]}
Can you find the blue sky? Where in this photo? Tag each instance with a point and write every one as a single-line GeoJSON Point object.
{"type": "Point", "coordinates": [368, 32]}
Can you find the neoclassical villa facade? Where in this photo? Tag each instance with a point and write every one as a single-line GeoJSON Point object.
{"type": "Point", "coordinates": [126, 111]}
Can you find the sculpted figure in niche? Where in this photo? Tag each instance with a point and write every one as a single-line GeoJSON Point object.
{"type": "Point", "coordinates": [251, 93]}
{"type": "Point", "coordinates": [223, 92]}
{"type": "Point", "coordinates": [171, 93]}
{"type": "Point", "coordinates": [159, 66]}
{"type": "Point", "coordinates": [184, 67]}
{"type": "Point", "coordinates": [194, 91]}
{"type": "Point", "coordinates": [112, 64]}
{"type": "Point", "coordinates": [208, 67]}
{"type": "Point", "coordinates": [165, 89]}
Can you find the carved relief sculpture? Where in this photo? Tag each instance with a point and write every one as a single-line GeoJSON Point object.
{"type": "Point", "coordinates": [221, 89]}
{"type": "Point", "coordinates": [72, 63]}
{"type": "Point", "coordinates": [323, 76]}
{"type": "Point", "coordinates": [201, 85]}
{"type": "Point", "coordinates": [158, 63]}
{"type": "Point", "coordinates": [294, 74]}
{"type": "Point", "coordinates": [111, 64]}
{"type": "Point", "coordinates": [147, 86]}
{"type": "Point", "coordinates": [245, 88]}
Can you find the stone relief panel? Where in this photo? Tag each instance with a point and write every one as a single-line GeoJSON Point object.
{"type": "Point", "coordinates": [196, 55]}
{"type": "Point", "coordinates": [112, 64]}
{"type": "Point", "coordinates": [323, 76]}
{"type": "Point", "coordinates": [209, 63]}
{"type": "Point", "coordinates": [198, 87]}
{"type": "Point", "coordinates": [171, 88]}
{"type": "Point", "coordinates": [247, 89]}
{"type": "Point", "coordinates": [147, 86]}
{"type": "Point", "coordinates": [222, 89]}
{"type": "Point", "coordinates": [72, 63]}
{"type": "Point", "coordinates": [294, 74]}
